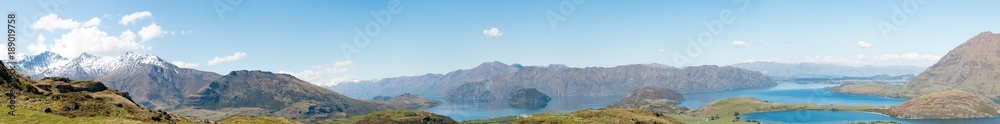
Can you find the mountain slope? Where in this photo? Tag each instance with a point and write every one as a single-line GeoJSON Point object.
{"type": "Point", "coordinates": [969, 67]}
{"type": "Point", "coordinates": [947, 105]}
{"type": "Point", "coordinates": [61, 100]}
{"type": "Point", "coordinates": [279, 95]}
{"type": "Point", "coordinates": [153, 82]}
{"type": "Point", "coordinates": [157, 87]}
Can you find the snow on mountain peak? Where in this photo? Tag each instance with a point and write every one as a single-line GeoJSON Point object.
{"type": "Point", "coordinates": [85, 65]}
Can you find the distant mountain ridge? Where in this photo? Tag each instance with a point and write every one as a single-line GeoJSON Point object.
{"type": "Point", "coordinates": [556, 81]}
{"type": "Point", "coordinates": [798, 70]}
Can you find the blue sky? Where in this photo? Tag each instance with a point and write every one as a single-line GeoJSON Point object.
{"type": "Point", "coordinates": [307, 38]}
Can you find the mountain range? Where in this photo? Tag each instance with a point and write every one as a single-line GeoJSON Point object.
{"type": "Point", "coordinates": [492, 81]}
{"type": "Point", "coordinates": [153, 82]}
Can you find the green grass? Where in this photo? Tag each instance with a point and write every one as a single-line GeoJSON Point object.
{"type": "Point", "coordinates": [396, 116]}
{"type": "Point", "coordinates": [608, 115]}
{"type": "Point", "coordinates": [257, 120]}
{"type": "Point", "coordinates": [495, 120]}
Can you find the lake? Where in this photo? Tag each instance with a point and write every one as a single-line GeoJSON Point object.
{"type": "Point", "coordinates": [787, 93]}
{"type": "Point", "coordinates": [784, 93]}
{"type": "Point", "coordinates": [497, 109]}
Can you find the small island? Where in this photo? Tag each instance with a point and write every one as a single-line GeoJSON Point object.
{"type": "Point", "coordinates": [528, 98]}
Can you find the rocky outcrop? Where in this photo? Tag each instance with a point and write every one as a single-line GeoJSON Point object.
{"type": "Point", "coordinates": [947, 105]}
{"type": "Point", "coordinates": [382, 98]}
{"type": "Point", "coordinates": [528, 98]}
{"type": "Point", "coordinates": [969, 67]}
{"type": "Point", "coordinates": [652, 98]}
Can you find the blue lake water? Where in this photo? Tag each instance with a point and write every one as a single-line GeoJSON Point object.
{"type": "Point", "coordinates": [844, 117]}
{"type": "Point", "coordinates": [490, 110]}
{"type": "Point", "coordinates": [787, 93]}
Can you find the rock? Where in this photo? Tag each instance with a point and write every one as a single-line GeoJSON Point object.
{"type": "Point", "coordinates": [381, 98]}
{"type": "Point", "coordinates": [528, 98]}
{"type": "Point", "coordinates": [652, 98]}
{"type": "Point", "coordinates": [947, 105]}
{"type": "Point", "coordinates": [71, 106]}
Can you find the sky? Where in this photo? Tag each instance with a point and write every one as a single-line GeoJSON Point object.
{"type": "Point", "coordinates": [327, 42]}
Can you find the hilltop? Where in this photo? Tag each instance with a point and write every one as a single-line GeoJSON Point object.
{"type": "Point", "coordinates": [947, 105]}
{"type": "Point", "coordinates": [652, 98]}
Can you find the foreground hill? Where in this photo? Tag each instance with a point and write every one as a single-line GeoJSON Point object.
{"type": "Point", "coordinates": [605, 116]}
{"type": "Point", "coordinates": [398, 117]}
{"type": "Point", "coordinates": [947, 105]}
{"type": "Point", "coordinates": [972, 67]}
{"type": "Point", "coordinates": [266, 93]}
{"type": "Point", "coordinates": [652, 98]}
{"type": "Point", "coordinates": [61, 100]}
{"type": "Point", "coordinates": [602, 81]}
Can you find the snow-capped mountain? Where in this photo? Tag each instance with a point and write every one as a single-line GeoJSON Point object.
{"type": "Point", "coordinates": [85, 67]}
{"type": "Point", "coordinates": [152, 82]}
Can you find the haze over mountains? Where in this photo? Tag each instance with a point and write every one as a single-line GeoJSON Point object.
{"type": "Point", "coordinates": [799, 70]}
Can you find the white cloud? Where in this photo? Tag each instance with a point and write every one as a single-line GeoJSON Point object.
{"type": "Point", "coordinates": [131, 18]}
{"type": "Point", "coordinates": [229, 58]}
{"type": "Point", "coordinates": [742, 44]}
{"type": "Point", "coordinates": [150, 32]}
{"type": "Point", "coordinates": [39, 45]}
{"type": "Point", "coordinates": [93, 22]}
{"type": "Point", "coordinates": [864, 44]}
{"type": "Point", "coordinates": [93, 40]}
{"type": "Point", "coordinates": [324, 76]}
{"type": "Point", "coordinates": [492, 32]}
{"type": "Point", "coordinates": [51, 22]}
{"type": "Point", "coordinates": [184, 64]}
{"type": "Point", "coordinates": [185, 32]}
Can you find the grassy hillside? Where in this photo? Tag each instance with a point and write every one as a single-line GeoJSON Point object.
{"type": "Point", "coordinates": [876, 89]}
{"type": "Point", "coordinates": [947, 105]}
{"type": "Point", "coordinates": [607, 116]}
{"type": "Point", "coordinates": [257, 120]}
{"type": "Point", "coordinates": [397, 117]}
